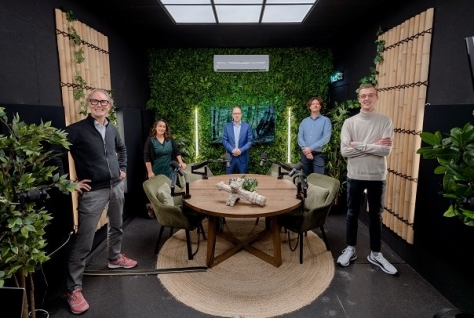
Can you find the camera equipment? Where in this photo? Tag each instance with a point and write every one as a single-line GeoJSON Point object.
{"type": "Point", "coordinates": [468, 202]}
{"type": "Point", "coordinates": [33, 195]}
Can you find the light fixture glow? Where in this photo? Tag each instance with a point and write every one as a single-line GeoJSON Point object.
{"type": "Point", "coordinates": [238, 11]}
{"type": "Point", "coordinates": [285, 13]}
{"type": "Point", "coordinates": [238, 14]}
{"type": "Point", "coordinates": [336, 76]}
{"type": "Point", "coordinates": [288, 155]}
{"type": "Point", "coordinates": [196, 132]}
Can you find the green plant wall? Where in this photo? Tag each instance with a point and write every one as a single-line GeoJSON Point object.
{"type": "Point", "coordinates": [183, 80]}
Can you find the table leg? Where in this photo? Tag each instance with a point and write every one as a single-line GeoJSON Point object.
{"type": "Point", "coordinates": [275, 228]}
{"type": "Point", "coordinates": [245, 244]}
{"type": "Point", "coordinates": [211, 240]}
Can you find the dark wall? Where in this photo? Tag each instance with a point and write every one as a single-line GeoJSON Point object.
{"type": "Point", "coordinates": [29, 63]}
{"type": "Point", "coordinates": [441, 249]}
{"type": "Point", "coordinates": [449, 79]}
{"type": "Point", "coordinates": [30, 81]}
{"type": "Point", "coordinates": [29, 74]}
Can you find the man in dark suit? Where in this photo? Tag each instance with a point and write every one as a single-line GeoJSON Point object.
{"type": "Point", "coordinates": [237, 140]}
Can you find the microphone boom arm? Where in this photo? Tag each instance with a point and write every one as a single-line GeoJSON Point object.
{"type": "Point", "coordinates": [185, 193]}
{"type": "Point", "coordinates": [285, 167]}
{"type": "Point", "coordinates": [195, 167]}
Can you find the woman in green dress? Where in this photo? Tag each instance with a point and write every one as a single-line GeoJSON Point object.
{"type": "Point", "coordinates": [160, 149]}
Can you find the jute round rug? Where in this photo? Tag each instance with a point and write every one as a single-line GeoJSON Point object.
{"type": "Point", "coordinates": [245, 285]}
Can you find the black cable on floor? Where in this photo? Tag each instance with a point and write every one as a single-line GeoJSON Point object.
{"type": "Point", "coordinates": [144, 272]}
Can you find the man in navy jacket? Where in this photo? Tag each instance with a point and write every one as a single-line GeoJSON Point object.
{"type": "Point", "coordinates": [237, 140]}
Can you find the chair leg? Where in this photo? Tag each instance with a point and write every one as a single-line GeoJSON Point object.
{"type": "Point", "coordinates": [256, 221]}
{"type": "Point", "coordinates": [159, 239]}
{"type": "Point", "coordinates": [202, 231]}
{"type": "Point", "coordinates": [324, 237]}
{"type": "Point", "coordinates": [188, 244]}
{"type": "Point", "coordinates": [301, 248]}
{"type": "Point", "coordinates": [267, 223]}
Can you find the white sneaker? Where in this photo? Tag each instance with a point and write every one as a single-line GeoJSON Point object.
{"type": "Point", "coordinates": [382, 263]}
{"type": "Point", "coordinates": [348, 255]}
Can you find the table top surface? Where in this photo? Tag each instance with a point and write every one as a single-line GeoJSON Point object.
{"type": "Point", "coordinates": [206, 198]}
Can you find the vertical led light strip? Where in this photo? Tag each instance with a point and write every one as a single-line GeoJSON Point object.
{"type": "Point", "coordinates": [196, 136]}
{"type": "Point", "coordinates": [289, 136]}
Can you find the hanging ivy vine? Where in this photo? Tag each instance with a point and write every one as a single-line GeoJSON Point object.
{"type": "Point", "coordinates": [80, 85]}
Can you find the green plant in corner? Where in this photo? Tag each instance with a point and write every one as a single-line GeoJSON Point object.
{"type": "Point", "coordinates": [455, 156]}
{"type": "Point", "coordinates": [24, 170]}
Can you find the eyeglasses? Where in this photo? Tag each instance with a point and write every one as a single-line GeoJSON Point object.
{"type": "Point", "coordinates": [370, 96]}
{"type": "Point", "coordinates": [96, 102]}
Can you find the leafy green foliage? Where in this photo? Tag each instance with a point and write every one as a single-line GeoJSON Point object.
{"type": "Point", "coordinates": [336, 165]}
{"type": "Point", "coordinates": [24, 154]}
{"type": "Point", "coordinates": [249, 184]}
{"type": "Point", "coordinates": [182, 82]}
{"type": "Point", "coordinates": [455, 156]}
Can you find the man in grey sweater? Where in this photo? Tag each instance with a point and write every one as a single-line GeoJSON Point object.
{"type": "Point", "coordinates": [366, 141]}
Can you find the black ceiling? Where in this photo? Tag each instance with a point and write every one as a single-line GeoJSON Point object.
{"type": "Point", "coordinates": [328, 22]}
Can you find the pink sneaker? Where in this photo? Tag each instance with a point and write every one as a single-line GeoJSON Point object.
{"type": "Point", "coordinates": [76, 301]}
{"type": "Point", "coordinates": [122, 262]}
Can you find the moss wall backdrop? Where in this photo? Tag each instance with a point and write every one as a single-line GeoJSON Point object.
{"type": "Point", "coordinates": [183, 81]}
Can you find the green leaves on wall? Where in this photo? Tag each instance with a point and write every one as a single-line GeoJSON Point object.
{"type": "Point", "coordinates": [183, 80]}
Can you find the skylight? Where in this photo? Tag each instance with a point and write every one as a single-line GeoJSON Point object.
{"type": "Point", "coordinates": [237, 11]}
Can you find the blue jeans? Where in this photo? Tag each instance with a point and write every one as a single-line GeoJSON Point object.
{"type": "Point", "coordinates": [316, 165]}
{"type": "Point", "coordinates": [375, 194]}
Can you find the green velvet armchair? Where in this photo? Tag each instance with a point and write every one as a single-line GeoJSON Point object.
{"type": "Point", "coordinates": [169, 210]}
{"type": "Point", "coordinates": [321, 194]}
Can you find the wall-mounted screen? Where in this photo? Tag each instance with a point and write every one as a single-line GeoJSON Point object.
{"type": "Point", "coordinates": [261, 118]}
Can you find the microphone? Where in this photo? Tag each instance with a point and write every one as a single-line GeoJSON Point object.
{"type": "Point", "coordinates": [263, 158]}
{"type": "Point", "coordinates": [175, 166]}
{"type": "Point", "coordinates": [295, 169]}
{"type": "Point", "coordinates": [227, 159]}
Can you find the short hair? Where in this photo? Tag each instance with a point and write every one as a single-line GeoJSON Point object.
{"type": "Point", "coordinates": [320, 100]}
{"type": "Point", "coordinates": [367, 86]}
{"type": "Point", "coordinates": [109, 98]}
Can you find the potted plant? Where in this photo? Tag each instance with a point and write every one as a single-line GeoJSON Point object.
{"type": "Point", "coordinates": [455, 156]}
{"type": "Point", "coordinates": [25, 177]}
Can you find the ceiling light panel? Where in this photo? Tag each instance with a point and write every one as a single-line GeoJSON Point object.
{"type": "Point", "coordinates": [238, 1]}
{"type": "Point", "coordinates": [237, 11]}
{"type": "Point", "coordinates": [238, 14]}
{"type": "Point", "coordinates": [285, 13]}
{"type": "Point", "coordinates": [191, 14]}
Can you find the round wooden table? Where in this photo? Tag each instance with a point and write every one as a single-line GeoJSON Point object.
{"type": "Point", "coordinates": [206, 198]}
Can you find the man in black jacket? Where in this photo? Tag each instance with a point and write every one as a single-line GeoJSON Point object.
{"type": "Point", "coordinates": [100, 161]}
